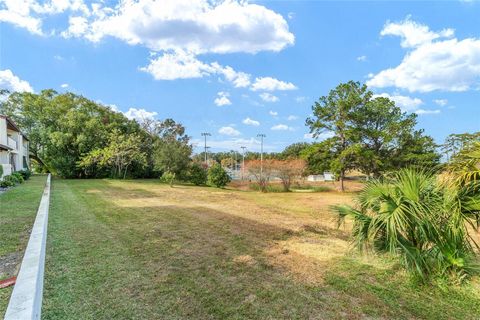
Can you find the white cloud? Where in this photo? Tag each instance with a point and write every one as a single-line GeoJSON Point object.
{"type": "Point", "coordinates": [64, 85]}
{"type": "Point", "coordinates": [362, 58]}
{"type": "Point", "coordinates": [137, 114]}
{"type": "Point", "coordinates": [423, 111]}
{"type": "Point", "coordinates": [271, 84]}
{"type": "Point", "coordinates": [322, 136]}
{"type": "Point", "coordinates": [200, 26]}
{"type": "Point", "coordinates": [251, 122]}
{"type": "Point", "coordinates": [441, 102]}
{"type": "Point", "coordinates": [268, 97]}
{"type": "Point", "coordinates": [281, 127]}
{"type": "Point", "coordinates": [273, 113]}
{"type": "Point", "coordinates": [300, 99]}
{"type": "Point", "coordinates": [13, 83]}
{"type": "Point", "coordinates": [229, 131]}
{"type": "Point", "coordinates": [291, 15]}
{"type": "Point", "coordinates": [292, 117]}
{"type": "Point", "coordinates": [180, 64]}
{"type": "Point", "coordinates": [414, 34]}
{"type": "Point", "coordinates": [434, 60]}
{"type": "Point", "coordinates": [29, 14]}
{"type": "Point", "coordinates": [406, 103]}
{"type": "Point", "coordinates": [222, 99]}
{"type": "Point", "coordinates": [235, 143]}
{"type": "Point", "coordinates": [177, 65]}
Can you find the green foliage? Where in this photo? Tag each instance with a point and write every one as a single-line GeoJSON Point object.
{"type": "Point", "coordinates": [17, 177]}
{"type": "Point", "coordinates": [1, 171]}
{"type": "Point", "coordinates": [424, 222]}
{"type": "Point", "coordinates": [63, 128]}
{"type": "Point", "coordinates": [197, 174]}
{"type": "Point", "coordinates": [26, 174]}
{"type": "Point", "coordinates": [370, 134]}
{"type": "Point", "coordinates": [121, 154]}
{"type": "Point", "coordinates": [168, 177]}
{"type": "Point", "coordinates": [172, 150]}
{"type": "Point", "coordinates": [217, 176]}
{"type": "Point", "coordinates": [8, 181]}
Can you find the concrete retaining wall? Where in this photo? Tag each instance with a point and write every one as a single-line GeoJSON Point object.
{"type": "Point", "coordinates": [26, 300]}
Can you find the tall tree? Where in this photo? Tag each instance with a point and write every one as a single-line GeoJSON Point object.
{"type": "Point", "coordinates": [336, 113]}
{"type": "Point", "coordinates": [173, 150]}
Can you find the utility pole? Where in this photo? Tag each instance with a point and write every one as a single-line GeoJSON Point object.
{"type": "Point", "coordinates": [243, 161]}
{"type": "Point", "coordinates": [205, 134]}
{"type": "Point", "coordinates": [261, 135]}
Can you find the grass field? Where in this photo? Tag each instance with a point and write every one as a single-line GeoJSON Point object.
{"type": "Point", "coordinates": [143, 250]}
{"type": "Point", "coordinates": [18, 207]}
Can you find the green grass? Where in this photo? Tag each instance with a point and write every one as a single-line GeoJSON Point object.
{"type": "Point", "coordinates": [18, 207]}
{"type": "Point", "coordinates": [143, 250]}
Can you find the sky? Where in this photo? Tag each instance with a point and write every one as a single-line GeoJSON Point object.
{"type": "Point", "coordinates": [239, 68]}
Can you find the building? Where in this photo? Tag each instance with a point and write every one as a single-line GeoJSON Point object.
{"type": "Point", "coordinates": [14, 147]}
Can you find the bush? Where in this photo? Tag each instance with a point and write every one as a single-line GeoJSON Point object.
{"type": "Point", "coordinates": [18, 178]}
{"type": "Point", "coordinates": [268, 188]}
{"type": "Point", "coordinates": [426, 223]}
{"type": "Point", "coordinates": [8, 181]}
{"type": "Point", "coordinates": [217, 176]}
{"type": "Point", "coordinates": [168, 177]}
{"type": "Point", "coordinates": [197, 174]}
{"type": "Point", "coordinates": [25, 174]}
{"type": "Point", "coordinates": [1, 171]}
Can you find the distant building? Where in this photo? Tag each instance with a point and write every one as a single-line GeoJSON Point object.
{"type": "Point", "coordinates": [14, 147]}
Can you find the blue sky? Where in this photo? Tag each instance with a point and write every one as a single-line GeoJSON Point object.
{"type": "Point", "coordinates": [236, 69]}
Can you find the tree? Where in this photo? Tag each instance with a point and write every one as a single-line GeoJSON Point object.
{"type": "Point", "coordinates": [319, 156]}
{"type": "Point", "coordinates": [294, 150]}
{"type": "Point", "coordinates": [119, 155]}
{"type": "Point", "coordinates": [63, 128]}
{"type": "Point", "coordinates": [172, 151]}
{"type": "Point", "coordinates": [287, 170]}
{"type": "Point", "coordinates": [262, 171]}
{"type": "Point", "coordinates": [217, 176]}
{"type": "Point", "coordinates": [198, 174]}
{"type": "Point", "coordinates": [336, 114]}
{"type": "Point", "coordinates": [414, 216]}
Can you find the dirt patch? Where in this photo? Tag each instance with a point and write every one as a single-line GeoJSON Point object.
{"type": "Point", "coordinates": [9, 264]}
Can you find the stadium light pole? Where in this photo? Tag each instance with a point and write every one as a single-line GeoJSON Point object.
{"type": "Point", "coordinates": [261, 135]}
{"type": "Point", "coordinates": [206, 155]}
{"type": "Point", "coordinates": [206, 134]}
{"type": "Point", "coordinates": [243, 161]}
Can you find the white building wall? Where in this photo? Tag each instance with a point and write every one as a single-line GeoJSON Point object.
{"type": "Point", "coordinates": [3, 131]}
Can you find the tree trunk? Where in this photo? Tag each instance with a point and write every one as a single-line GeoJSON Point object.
{"type": "Point", "coordinates": [342, 176]}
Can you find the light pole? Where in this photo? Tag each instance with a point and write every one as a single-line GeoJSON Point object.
{"type": "Point", "coordinates": [243, 161]}
{"type": "Point", "coordinates": [206, 155]}
{"type": "Point", "coordinates": [261, 135]}
{"type": "Point", "coordinates": [205, 134]}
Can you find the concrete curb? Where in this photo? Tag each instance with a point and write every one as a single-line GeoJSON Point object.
{"type": "Point", "coordinates": [26, 300]}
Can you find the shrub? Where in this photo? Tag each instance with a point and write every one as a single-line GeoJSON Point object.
{"type": "Point", "coordinates": [25, 174]}
{"type": "Point", "coordinates": [217, 176]}
{"type": "Point", "coordinates": [197, 174]}
{"type": "Point", "coordinates": [1, 171]}
{"type": "Point", "coordinates": [18, 178]}
{"type": "Point", "coordinates": [424, 222]}
{"type": "Point", "coordinates": [168, 177]}
{"type": "Point", "coordinates": [8, 181]}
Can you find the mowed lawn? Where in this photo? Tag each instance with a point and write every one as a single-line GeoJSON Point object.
{"type": "Point", "coordinates": [18, 208]}
{"type": "Point", "coordinates": [143, 250]}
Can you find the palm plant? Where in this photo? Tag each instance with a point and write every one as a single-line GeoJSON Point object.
{"type": "Point", "coordinates": [423, 222]}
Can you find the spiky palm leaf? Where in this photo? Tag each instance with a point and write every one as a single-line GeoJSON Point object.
{"type": "Point", "coordinates": [420, 220]}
